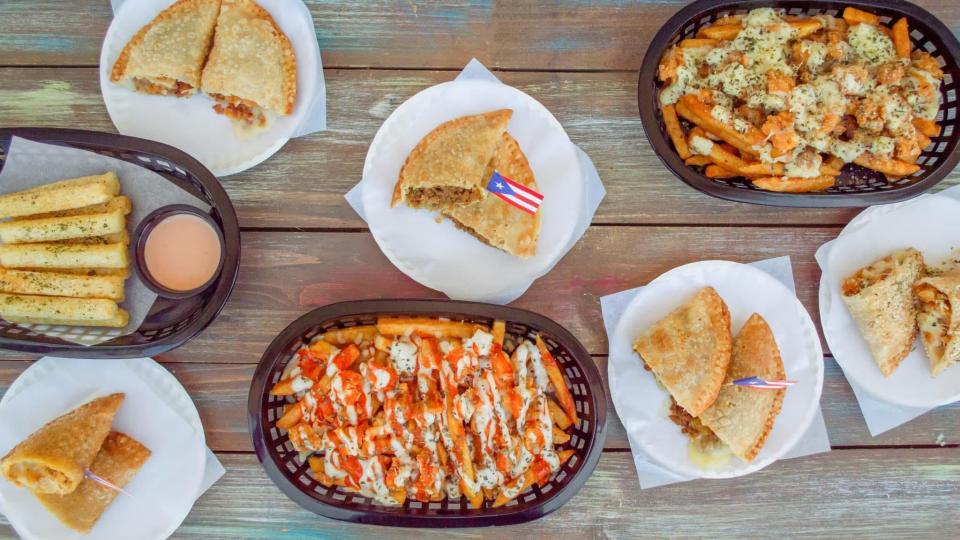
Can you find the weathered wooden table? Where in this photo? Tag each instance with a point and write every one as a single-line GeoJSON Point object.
{"type": "Point", "coordinates": [303, 247]}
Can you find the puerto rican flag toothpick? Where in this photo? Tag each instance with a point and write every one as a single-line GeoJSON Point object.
{"type": "Point", "coordinates": [757, 382]}
{"type": "Point", "coordinates": [515, 193]}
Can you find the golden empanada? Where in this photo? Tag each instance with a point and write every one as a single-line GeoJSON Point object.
{"type": "Point", "coordinates": [166, 56]}
{"type": "Point", "coordinates": [939, 319]}
{"type": "Point", "coordinates": [252, 67]}
{"type": "Point", "coordinates": [881, 301]}
{"type": "Point", "coordinates": [742, 417]}
{"type": "Point", "coordinates": [493, 220]}
{"type": "Point", "coordinates": [54, 458]}
{"type": "Point", "coordinates": [449, 165]}
{"type": "Point", "coordinates": [689, 350]}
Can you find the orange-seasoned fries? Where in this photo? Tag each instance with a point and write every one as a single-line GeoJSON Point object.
{"type": "Point", "coordinates": [786, 101]}
{"type": "Point", "coordinates": [427, 408]}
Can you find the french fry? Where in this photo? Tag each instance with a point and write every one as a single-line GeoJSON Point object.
{"type": "Point", "coordinates": [927, 127]}
{"type": "Point", "coordinates": [698, 161]}
{"type": "Point", "coordinates": [718, 172]}
{"type": "Point", "coordinates": [62, 195]}
{"type": "Point", "coordinates": [121, 319]}
{"type": "Point", "coordinates": [901, 38]}
{"type": "Point", "coordinates": [346, 336]}
{"type": "Point", "coordinates": [322, 348]}
{"type": "Point", "coordinates": [777, 169]}
{"type": "Point", "coordinates": [424, 327]}
{"type": "Point", "coordinates": [887, 166]}
{"type": "Point", "coordinates": [63, 256]}
{"type": "Point", "coordinates": [672, 124]}
{"type": "Point", "coordinates": [697, 43]}
{"type": "Point", "coordinates": [120, 202]}
{"type": "Point", "coordinates": [499, 331]}
{"type": "Point", "coordinates": [283, 387]}
{"type": "Point", "coordinates": [730, 19]}
{"type": "Point", "coordinates": [291, 417]}
{"type": "Point", "coordinates": [557, 416]}
{"type": "Point", "coordinates": [529, 478]}
{"type": "Point", "coordinates": [556, 378]}
{"type": "Point", "coordinates": [52, 308]}
{"type": "Point", "coordinates": [720, 31]}
{"type": "Point", "coordinates": [560, 436]}
{"type": "Point", "coordinates": [794, 185]}
{"type": "Point", "coordinates": [698, 113]}
{"type": "Point", "coordinates": [855, 16]}
{"type": "Point", "coordinates": [56, 284]}
{"type": "Point", "coordinates": [52, 229]}
{"type": "Point", "coordinates": [806, 27]}
{"type": "Point", "coordinates": [315, 463]}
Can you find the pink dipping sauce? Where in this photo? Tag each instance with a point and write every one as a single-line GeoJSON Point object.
{"type": "Point", "coordinates": [182, 252]}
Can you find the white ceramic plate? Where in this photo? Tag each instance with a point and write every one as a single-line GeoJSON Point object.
{"type": "Point", "coordinates": [190, 124]}
{"type": "Point", "coordinates": [640, 402]}
{"type": "Point", "coordinates": [440, 256]}
{"type": "Point", "coordinates": [156, 411]}
{"type": "Point", "coordinates": [930, 224]}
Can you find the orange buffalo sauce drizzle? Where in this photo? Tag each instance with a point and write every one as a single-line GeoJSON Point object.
{"type": "Point", "coordinates": [182, 252]}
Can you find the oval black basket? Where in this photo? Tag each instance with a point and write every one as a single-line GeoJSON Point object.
{"type": "Point", "coordinates": [289, 472]}
{"type": "Point", "coordinates": [170, 323]}
{"type": "Point", "coordinates": [857, 186]}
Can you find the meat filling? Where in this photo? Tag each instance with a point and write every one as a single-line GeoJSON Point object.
{"type": "Point", "coordinates": [698, 433]}
{"type": "Point", "coordinates": [433, 197]}
{"type": "Point", "coordinates": [238, 109]}
{"type": "Point", "coordinates": [168, 88]}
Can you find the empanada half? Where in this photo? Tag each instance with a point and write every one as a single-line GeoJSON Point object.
{"type": "Point", "coordinates": [881, 301]}
{"type": "Point", "coordinates": [252, 67]}
{"type": "Point", "coordinates": [494, 221]}
{"type": "Point", "coordinates": [939, 319]}
{"type": "Point", "coordinates": [743, 417]}
{"type": "Point", "coordinates": [689, 350]}
{"type": "Point", "coordinates": [448, 166]}
{"type": "Point", "coordinates": [167, 55]}
{"type": "Point", "coordinates": [54, 458]}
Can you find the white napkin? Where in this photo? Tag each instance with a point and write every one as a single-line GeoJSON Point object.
{"type": "Point", "coordinates": [594, 191]}
{"type": "Point", "coordinates": [156, 411]}
{"type": "Point", "coordinates": [651, 475]}
{"type": "Point", "coordinates": [881, 416]}
{"type": "Point", "coordinates": [316, 118]}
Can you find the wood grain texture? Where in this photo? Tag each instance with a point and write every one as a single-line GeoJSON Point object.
{"type": "Point", "coordinates": [303, 185]}
{"type": "Point", "coordinates": [440, 34]}
{"type": "Point", "coordinates": [908, 493]}
{"type": "Point", "coordinates": [220, 393]}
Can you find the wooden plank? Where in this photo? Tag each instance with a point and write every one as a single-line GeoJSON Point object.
{"type": "Point", "coordinates": [444, 34]}
{"type": "Point", "coordinates": [303, 185]}
{"type": "Point", "coordinates": [220, 393]}
{"type": "Point", "coordinates": [284, 274]}
{"type": "Point", "coordinates": [908, 493]}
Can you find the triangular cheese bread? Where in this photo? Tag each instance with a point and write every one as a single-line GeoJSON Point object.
{"type": "Point", "coordinates": [448, 166]}
{"type": "Point", "coordinates": [166, 56]}
{"type": "Point", "coordinates": [493, 220]}
{"type": "Point", "coordinates": [743, 417]}
{"type": "Point", "coordinates": [54, 458]}
{"type": "Point", "coordinates": [881, 301]}
{"type": "Point", "coordinates": [939, 319]}
{"type": "Point", "coordinates": [252, 67]}
{"type": "Point", "coordinates": [689, 350]}
{"type": "Point", "coordinates": [118, 461]}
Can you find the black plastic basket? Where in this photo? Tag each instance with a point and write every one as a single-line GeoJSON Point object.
{"type": "Point", "coordinates": [170, 323]}
{"type": "Point", "coordinates": [284, 466]}
{"type": "Point", "coordinates": [857, 186]}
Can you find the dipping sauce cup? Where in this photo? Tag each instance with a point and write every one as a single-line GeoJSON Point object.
{"type": "Point", "coordinates": [179, 251]}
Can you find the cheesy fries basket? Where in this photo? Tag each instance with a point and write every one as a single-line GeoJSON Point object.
{"type": "Point", "coordinates": [804, 104]}
{"type": "Point", "coordinates": [427, 413]}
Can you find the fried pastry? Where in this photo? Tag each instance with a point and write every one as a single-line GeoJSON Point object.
{"type": "Point", "coordinates": [119, 460]}
{"type": "Point", "coordinates": [448, 166]}
{"type": "Point", "coordinates": [689, 350]}
{"type": "Point", "coordinates": [494, 221]}
{"type": "Point", "coordinates": [54, 458]}
{"type": "Point", "coordinates": [252, 69]}
{"type": "Point", "coordinates": [881, 301]}
{"type": "Point", "coordinates": [166, 56]}
{"type": "Point", "coordinates": [742, 417]}
{"type": "Point", "coordinates": [939, 319]}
